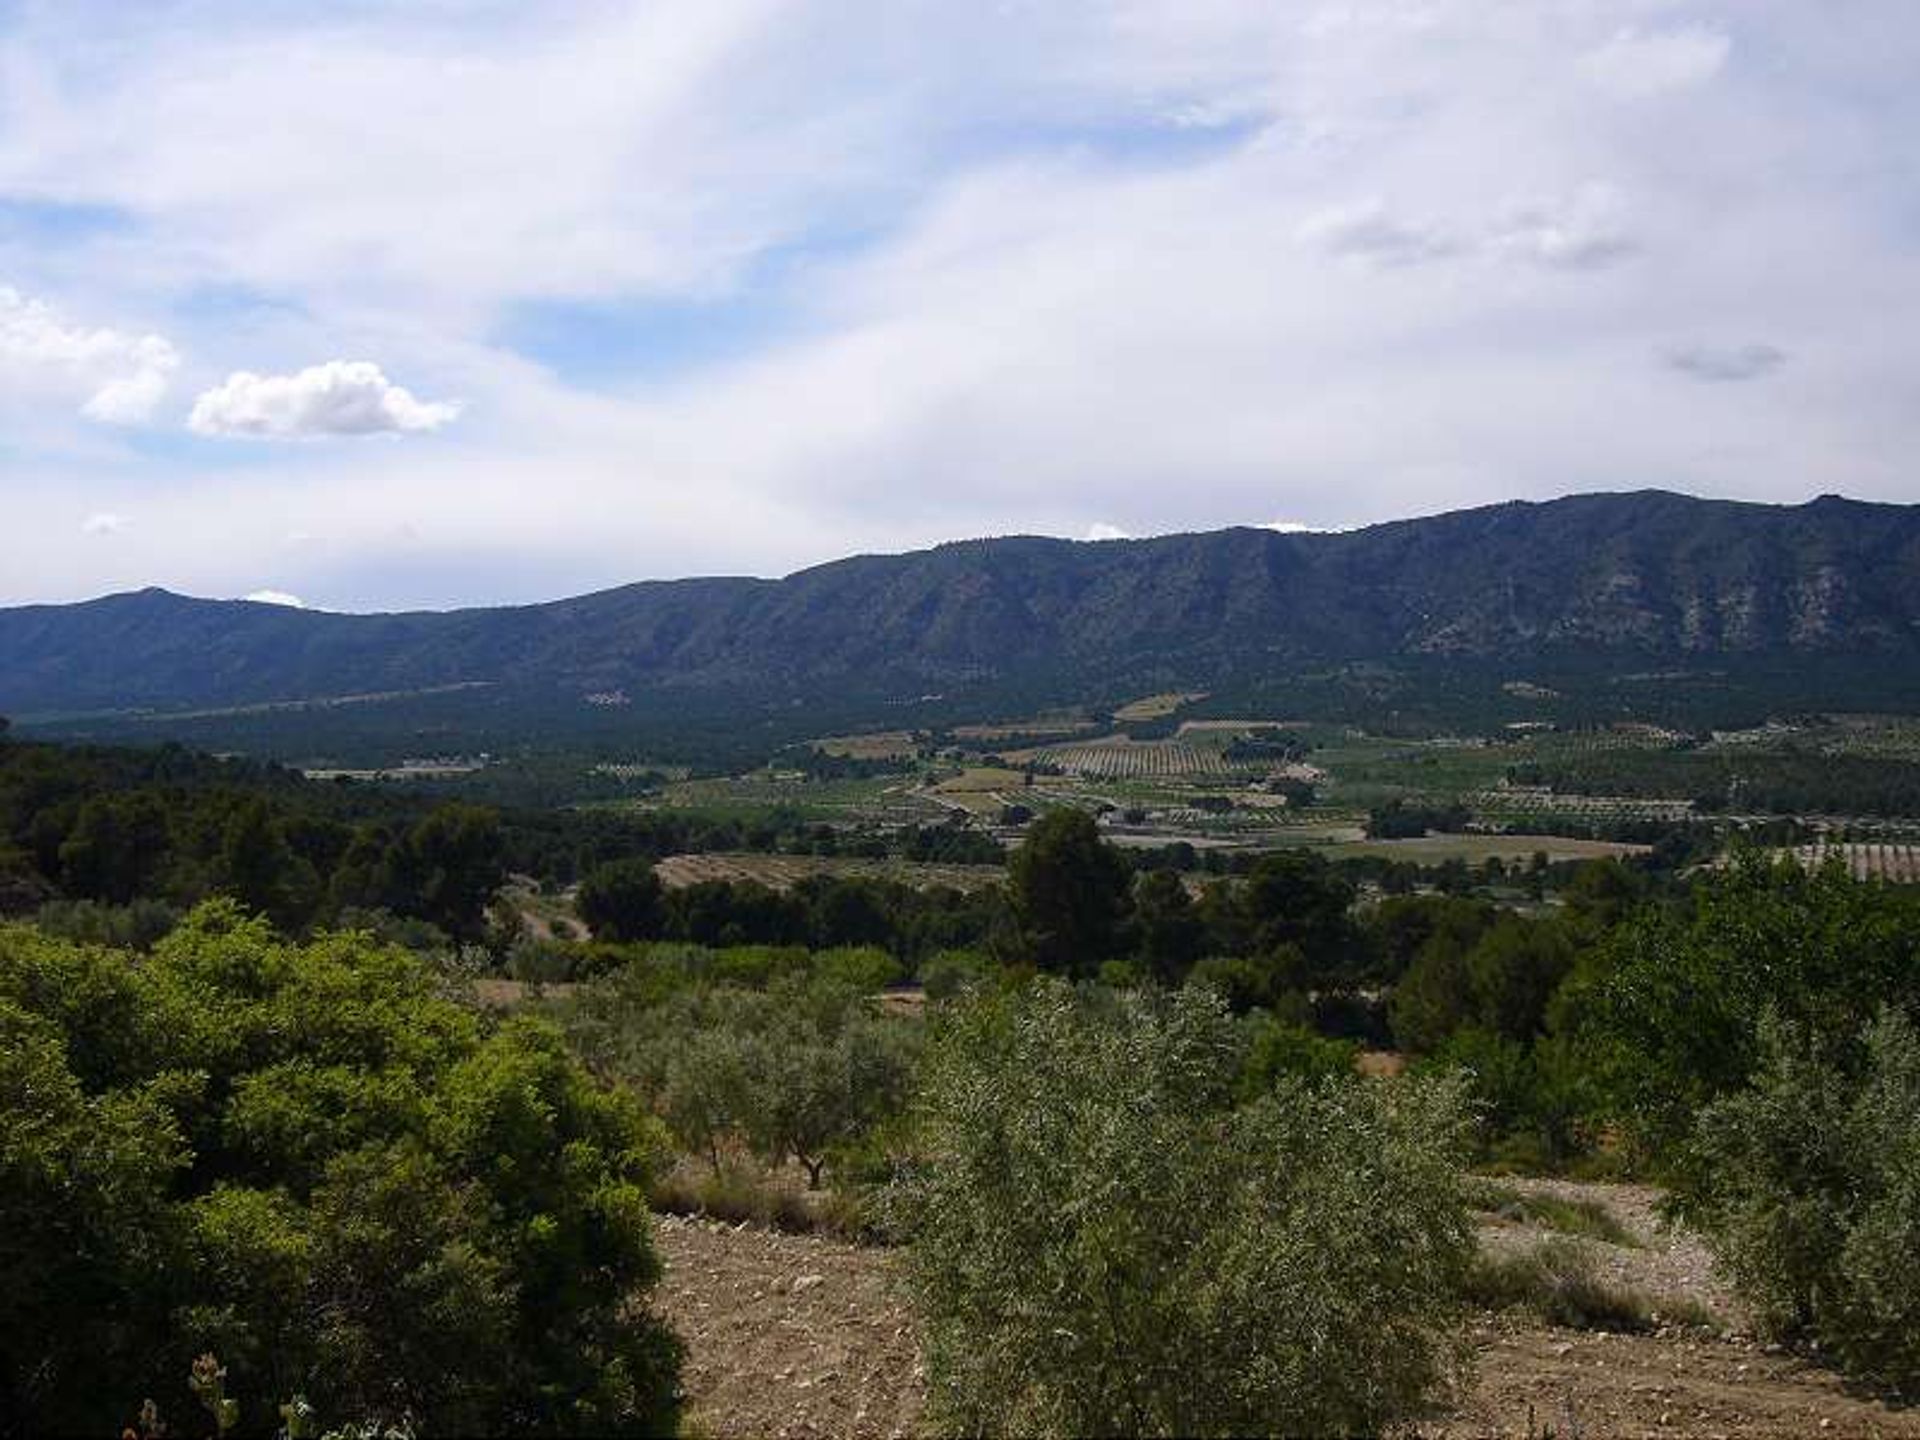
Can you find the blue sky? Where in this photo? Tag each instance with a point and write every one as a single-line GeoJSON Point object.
{"type": "Point", "coordinates": [468, 301]}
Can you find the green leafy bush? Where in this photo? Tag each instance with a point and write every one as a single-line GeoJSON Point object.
{"type": "Point", "coordinates": [1103, 1244]}
{"type": "Point", "coordinates": [948, 973]}
{"type": "Point", "coordinates": [1807, 1184]}
{"type": "Point", "coordinates": [303, 1160]}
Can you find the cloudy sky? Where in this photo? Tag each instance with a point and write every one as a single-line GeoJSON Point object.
{"type": "Point", "coordinates": [483, 300]}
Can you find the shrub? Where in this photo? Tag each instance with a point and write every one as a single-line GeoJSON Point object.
{"type": "Point", "coordinates": [1103, 1244]}
{"type": "Point", "coordinates": [859, 967]}
{"type": "Point", "coordinates": [1276, 1049]}
{"type": "Point", "coordinates": [1807, 1185]}
{"type": "Point", "coordinates": [302, 1159]}
{"type": "Point", "coordinates": [136, 926]}
{"type": "Point", "coordinates": [951, 971]}
{"type": "Point", "coordinates": [1558, 1282]}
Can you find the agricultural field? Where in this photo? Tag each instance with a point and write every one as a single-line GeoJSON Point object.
{"type": "Point", "coordinates": [1157, 707]}
{"type": "Point", "coordinates": [880, 745]}
{"type": "Point", "coordinates": [435, 769]}
{"type": "Point", "coordinates": [880, 800]}
{"type": "Point", "coordinates": [1897, 862]}
{"type": "Point", "coordinates": [1122, 759]}
{"type": "Point", "coordinates": [1235, 727]}
{"type": "Point", "coordinates": [1510, 804]}
{"type": "Point", "coordinates": [1884, 737]}
{"type": "Point", "coordinates": [783, 872]}
{"type": "Point", "coordinates": [1478, 849]}
{"type": "Point", "coordinates": [1051, 722]}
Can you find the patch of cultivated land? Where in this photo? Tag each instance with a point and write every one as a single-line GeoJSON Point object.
{"type": "Point", "coordinates": [1047, 724]}
{"type": "Point", "coordinates": [1897, 862]}
{"type": "Point", "coordinates": [1477, 849]}
{"type": "Point", "coordinates": [802, 1336]}
{"type": "Point", "coordinates": [882, 745]}
{"type": "Point", "coordinates": [783, 872]}
{"type": "Point", "coordinates": [1157, 707]}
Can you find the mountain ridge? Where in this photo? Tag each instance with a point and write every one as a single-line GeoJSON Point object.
{"type": "Point", "coordinates": [1643, 573]}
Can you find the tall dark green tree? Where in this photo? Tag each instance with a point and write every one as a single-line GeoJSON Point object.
{"type": "Point", "coordinates": [456, 860]}
{"type": "Point", "coordinates": [1166, 930]}
{"type": "Point", "coordinates": [116, 846]}
{"type": "Point", "coordinates": [621, 901]}
{"type": "Point", "coordinates": [259, 869]}
{"type": "Point", "coordinates": [1069, 889]}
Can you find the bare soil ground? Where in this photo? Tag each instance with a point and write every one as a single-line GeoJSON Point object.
{"type": "Point", "coordinates": [789, 1335]}
{"type": "Point", "coordinates": [805, 1336]}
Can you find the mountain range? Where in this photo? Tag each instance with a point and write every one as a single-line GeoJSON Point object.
{"type": "Point", "coordinates": [1640, 577]}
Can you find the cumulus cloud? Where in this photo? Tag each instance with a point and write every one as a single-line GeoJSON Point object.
{"type": "Point", "coordinates": [1635, 64]}
{"type": "Point", "coordinates": [104, 522]}
{"type": "Point", "coordinates": [275, 597]}
{"type": "Point", "coordinates": [341, 397]}
{"type": "Point", "coordinates": [1586, 231]}
{"type": "Point", "coordinates": [1042, 263]}
{"type": "Point", "coordinates": [1101, 530]}
{"type": "Point", "coordinates": [119, 377]}
{"type": "Point", "coordinates": [1725, 363]}
{"type": "Point", "coordinates": [1369, 231]}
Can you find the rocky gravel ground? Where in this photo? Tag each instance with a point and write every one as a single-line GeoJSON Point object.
{"type": "Point", "coordinates": [800, 1335]}
{"type": "Point", "coordinates": [1666, 1261]}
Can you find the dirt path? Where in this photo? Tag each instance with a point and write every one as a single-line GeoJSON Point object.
{"type": "Point", "coordinates": [803, 1336]}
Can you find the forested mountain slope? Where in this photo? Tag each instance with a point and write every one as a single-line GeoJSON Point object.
{"type": "Point", "coordinates": [1644, 575]}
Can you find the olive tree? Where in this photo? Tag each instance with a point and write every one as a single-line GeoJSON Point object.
{"type": "Point", "coordinates": [1103, 1243]}
{"type": "Point", "coordinates": [1807, 1185]}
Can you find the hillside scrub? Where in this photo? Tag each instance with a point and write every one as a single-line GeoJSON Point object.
{"type": "Point", "coordinates": [1103, 1243]}
{"type": "Point", "coordinates": [302, 1159]}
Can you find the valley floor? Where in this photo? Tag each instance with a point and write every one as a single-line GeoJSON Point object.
{"type": "Point", "coordinates": [800, 1335]}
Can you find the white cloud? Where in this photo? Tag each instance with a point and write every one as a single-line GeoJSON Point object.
{"type": "Point", "coordinates": [1023, 264]}
{"type": "Point", "coordinates": [104, 522]}
{"type": "Point", "coordinates": [341, 397]}
{"type": "Point", "coordinates": [1288, 527]}
{"type": "Point", "coordinates": [1585, 231]}
{"type": "Point", "coordinates": [1635, 64]}
{"type": "Point", "coordinates": [1101, 530]}
{"type": "Point", "coordinates": [118, 377]}
{"type": "Point", "coordinates": [1725, 363]}
{"type": "Point", "coordinates": [275, 597]}
{"type": "Point", "coordinates": [1368, 231]}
